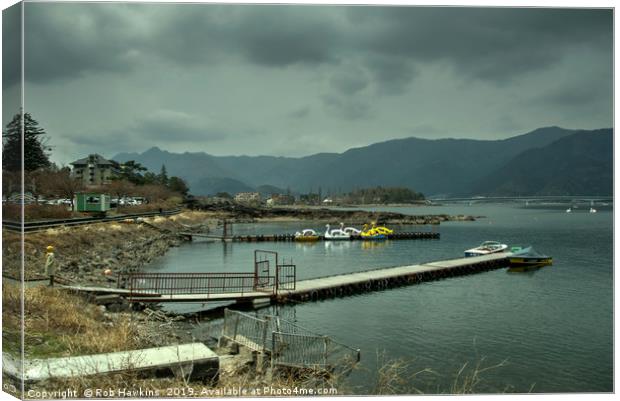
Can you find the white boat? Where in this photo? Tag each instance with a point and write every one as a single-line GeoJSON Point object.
{"type": "Point", "coordinates": [569, 210]}
{"type": "Point", "coordinates": [352, 230]}
{"type": "Point", "coordinates": [486, 248]}
{"type": "Point", "coordinates": [337, 233]}
{"type": "Point", "coordinates": [592, 210]}
{"type": "Point", "coordinates": [307, 235]}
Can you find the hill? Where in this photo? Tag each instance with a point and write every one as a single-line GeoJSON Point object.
{"type": "Point", "coordinates": [442, 166]}
{"type": "Point", "coordinates": [580, 164]}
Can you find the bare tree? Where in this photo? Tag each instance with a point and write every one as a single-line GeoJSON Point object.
{"type": "Point", "coordinates": [61, 183]}
{"type": "Point", "coordinates": [120, 188]}
{"type": "Point", "coordinates": [154, 193]}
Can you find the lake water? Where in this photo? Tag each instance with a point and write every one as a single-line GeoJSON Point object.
{"type": "Point", "coordinates": [554, 326]}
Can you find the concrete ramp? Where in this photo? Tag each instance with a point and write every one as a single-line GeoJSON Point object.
{"type": "Point", "coordinates": [194, 361]}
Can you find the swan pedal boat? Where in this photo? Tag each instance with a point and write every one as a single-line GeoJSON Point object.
{"type": "Point", "coordinates": [307, 235]}
{"type": "Point", "coordinates": [336, 234]}
{"type": "Point", "coordinates": [486, 248]}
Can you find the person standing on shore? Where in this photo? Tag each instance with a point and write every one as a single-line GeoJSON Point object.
{"type": "Point", "coordinates": [50, 264]}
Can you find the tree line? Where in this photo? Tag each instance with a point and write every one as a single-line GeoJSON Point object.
{"type": "Point", "coordinates": [383, 195]}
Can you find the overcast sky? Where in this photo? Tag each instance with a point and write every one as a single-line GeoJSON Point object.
{"type": "Point", "coordinates": [297, 80]}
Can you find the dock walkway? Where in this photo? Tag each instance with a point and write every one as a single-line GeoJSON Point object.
{"type": "Point", "coordinates": [377, 279]}
{"type": "Point", "coordinates": [348, 283]}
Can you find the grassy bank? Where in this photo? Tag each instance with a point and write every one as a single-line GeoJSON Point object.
{"type": "Point", "coordinates": [84, 252]}
{"type": "Point", "coordinates": [58, 323]}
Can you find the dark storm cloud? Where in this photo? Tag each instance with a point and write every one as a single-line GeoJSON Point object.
{"type": "Point", "coordinates": [392, 74]}
{"type": "Point", "coordinates": [172, 126]}
{"type": "Point", "coordinates": [481, 42]}
{"type": "Point", "coordinates": [65, 40]}
{"type": "Point", "coordinates": [285, 35]}
{"type": "Point", "coordinates": [61, 44]}
{"type": "Point", "coordinates": [11, 46]}
{"type": "Point", "coordinates": [350, 80]}
{"type": "Point", "coordinates": [120, 37]}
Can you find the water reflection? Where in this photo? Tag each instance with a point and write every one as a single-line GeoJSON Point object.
{"type": "Point", "coordinates": [527, 270]}
{"type": "Point", "coordinates": [337, 246]}
{"type": "Point", "coordinates": [374, 245]}
{"type": "Point", "coordinates": [227, 248]}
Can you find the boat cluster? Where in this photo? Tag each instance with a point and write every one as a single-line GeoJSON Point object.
{"type": "Point", "coordinates": [370, 232]}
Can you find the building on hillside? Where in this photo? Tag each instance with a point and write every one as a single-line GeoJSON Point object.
{"type": "Point", "coordinates": [95, 170]}
{"type": "Point", "coordinates": [248, 197]}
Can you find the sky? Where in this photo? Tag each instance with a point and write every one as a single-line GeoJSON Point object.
{"type": "Point", "coordinates": [293, 80]}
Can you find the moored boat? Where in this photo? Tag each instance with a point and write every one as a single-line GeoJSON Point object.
{"type": "Point", "coordinates": [527, 257]}
{"type": "Point", "coordinates": [486, 248]}
{"type": "Point", "coordinates": [352, 231]}
{"type": "Point", "coordinates": [372, 233]}
{"type": "Point", "coordinates": [307, 235]}
{"type": "Point", "coordinates": [336, 234]}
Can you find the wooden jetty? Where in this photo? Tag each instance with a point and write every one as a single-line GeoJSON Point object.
{"type": "Point", "coordinates": [194, 361]}
{"type": "Point", "coordinates": [341, 284]}
{"type": "Point", "coordinates": [291, 237]}
{"type": "Point", "coordinates": [379, 279]}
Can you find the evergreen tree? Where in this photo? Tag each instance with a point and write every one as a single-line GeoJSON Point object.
{"type": "Point", "coordinates": [163, 176]}
{"type": "Point", "coordinates": [132, 172]}
{"type": "Point", "coordinates": [177, 184]}
{"type": "Point", "coordinates": [35, 155]}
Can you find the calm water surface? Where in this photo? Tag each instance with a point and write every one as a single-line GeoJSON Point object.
{"type": "Point", "coordinates": [554, 326]}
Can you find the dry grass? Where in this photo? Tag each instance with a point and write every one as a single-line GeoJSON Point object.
{"type": "Point", "coordinates": [468, 378]}
{"type": "Point", "coordinates": [60, 324]}
{"type": "Point", "coordinates": [394, 376]}
{"type": "Point", "coordinates": [36, 212]}
{"type": "Point", "coordinates": [147, 207]}
{"type": "Point", "coordinates": [398, 376]}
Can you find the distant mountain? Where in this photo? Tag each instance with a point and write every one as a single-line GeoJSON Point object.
{"type": "Point", "coordinates": [443, 166]}
{"type": "Point", "coordinates": [579, 164]}
{"type": "Point", "coordinates": [213, 185]}
{"type": "Point", "coordinates": [268, 190]}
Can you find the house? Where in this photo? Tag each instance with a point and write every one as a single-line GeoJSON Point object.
{"type": "Point", "coordinates": [248, 197]}
{"type": "Point", "coordinates": [94, 170]}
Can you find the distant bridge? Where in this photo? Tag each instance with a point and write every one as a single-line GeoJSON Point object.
{"type": "Point", "coordinates": [559, 198]}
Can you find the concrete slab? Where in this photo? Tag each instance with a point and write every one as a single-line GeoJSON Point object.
{"type": "Point", "coordinates": [194, 361]}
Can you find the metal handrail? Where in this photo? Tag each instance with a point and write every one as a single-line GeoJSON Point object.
{"type": "Point", "coordinates": [194, 283]}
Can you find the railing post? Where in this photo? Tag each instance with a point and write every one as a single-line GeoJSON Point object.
{"type": "Point", "coordinates": [264, 341]}
{"type": "Point", "coordinates": [236, 327]}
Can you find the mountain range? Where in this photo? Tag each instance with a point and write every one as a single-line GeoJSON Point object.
{"type": "Point", "coordinates": [546, 161]}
